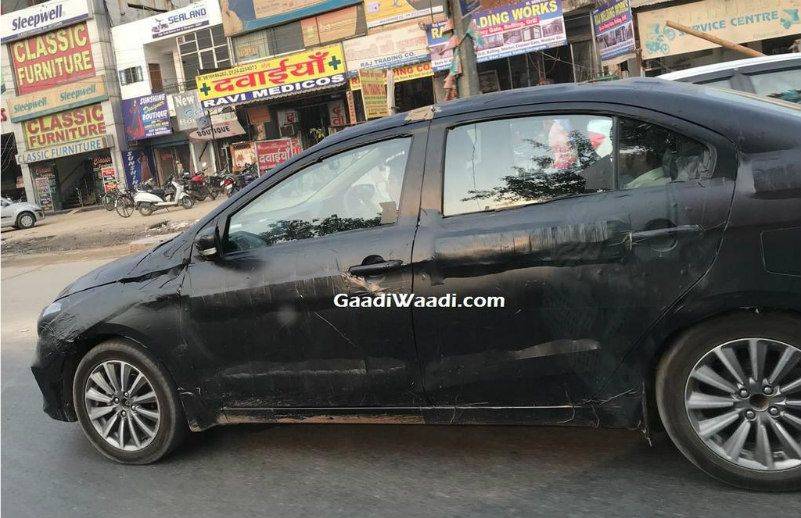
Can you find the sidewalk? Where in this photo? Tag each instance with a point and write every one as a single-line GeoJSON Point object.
{"type": "Point", "coordinates": [99, 229]}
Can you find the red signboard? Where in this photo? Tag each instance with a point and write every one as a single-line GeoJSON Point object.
{"type": "Point", "coordinates": [273, 152]}
{"type": "Point", "coordinates": [52, 59]}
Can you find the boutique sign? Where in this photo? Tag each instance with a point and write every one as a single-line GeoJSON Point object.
{"type": "Point", "coordinates": [42, 18]}
{"type": "Point", "coordinates": [146, 117]}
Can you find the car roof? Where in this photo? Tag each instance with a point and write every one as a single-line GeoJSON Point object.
{"type": "Point", "coordinates": [731, 65]}
{"type": "Point", "coordinates": [648, 93]}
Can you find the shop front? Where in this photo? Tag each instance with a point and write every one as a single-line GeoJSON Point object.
{"type": "Point", "coordinates": [296, 99]}
{"type": "Point", "coordinates": [768, 26]}
{"type": "Point", "coordinates": [69, 158]}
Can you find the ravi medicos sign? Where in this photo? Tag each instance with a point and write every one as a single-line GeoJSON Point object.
{"type": "Point", "coordinates": [52, 59]}
{"type": "Point", "coordinates": [68, 126]}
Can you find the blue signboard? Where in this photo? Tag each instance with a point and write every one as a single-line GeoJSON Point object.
{"type": "Point", "coordinates": [146, 117]}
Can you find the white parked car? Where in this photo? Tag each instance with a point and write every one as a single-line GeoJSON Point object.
{"type": "Point", "coordinates": [777, 76]}
{"type": "Point", "coordinates": [20, 214]}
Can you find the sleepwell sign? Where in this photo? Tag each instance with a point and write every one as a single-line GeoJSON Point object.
{"type": "Point", "coordinates": [41, 18]}
{"type": "Point", "coordinates": [312, 69]}
{"type": "Point", "coordinates": [58, 99]}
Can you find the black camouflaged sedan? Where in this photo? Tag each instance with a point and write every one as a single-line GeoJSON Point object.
{"type": "Point", "coordinates": [624, 254]}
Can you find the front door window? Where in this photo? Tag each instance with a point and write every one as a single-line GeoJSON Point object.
{"type": "Point", "coordinates": [359, 188]}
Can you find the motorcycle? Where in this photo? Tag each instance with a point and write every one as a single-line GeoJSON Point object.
{"type": "Point", "coordinates": [234, 183]}
{"type": "Point", "coordinates": [149, 199]}
{"type": "Point", "coordinates": [198, 186]}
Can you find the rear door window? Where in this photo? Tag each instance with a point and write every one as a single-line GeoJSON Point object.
{"type": "Point", "coordinates": [510, 162]}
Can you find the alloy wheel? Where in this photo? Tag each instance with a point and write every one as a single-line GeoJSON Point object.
{"type": "Point", "coordinates": [122, 405]}
{"type": "Point", "coordinates": [743, 399]}
{"type": "Point", "coordinates": [26, 221]}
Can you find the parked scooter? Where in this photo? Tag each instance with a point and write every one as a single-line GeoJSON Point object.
{"type": "Point", "coordinates": [234, 183]}
{"type": "Point", "coordinates": [150, 201]}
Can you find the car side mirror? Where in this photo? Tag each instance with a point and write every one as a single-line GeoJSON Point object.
{"type": "Point", "coordinates": [206, 243]}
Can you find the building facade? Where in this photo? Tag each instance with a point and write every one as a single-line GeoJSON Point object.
{"type": "Point", "coordinates": [61, 96]}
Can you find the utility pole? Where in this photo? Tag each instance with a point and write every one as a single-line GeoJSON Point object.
{"type": "Point", "coordinates": [468, 81]}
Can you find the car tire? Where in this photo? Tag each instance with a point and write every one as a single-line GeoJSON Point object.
{"type": "Point", "coordinates": [750, 451]}
{"type": "Point", "coordinates": [136, 446]}
{"type": "Point", "coordinates": [25, 220]}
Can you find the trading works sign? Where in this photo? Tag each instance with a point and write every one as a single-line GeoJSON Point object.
{"type": "Point", "coordinates": [299, 72]}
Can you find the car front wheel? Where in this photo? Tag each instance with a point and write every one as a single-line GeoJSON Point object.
{"type": "Point", "coordinates": [126, 404]}
{"type": "Point", "coordinates": [26, 220]}
{"type": "Point", "coordinates": [729, 395]}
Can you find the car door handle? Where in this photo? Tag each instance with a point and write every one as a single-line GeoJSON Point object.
{"type": "Point", "coordinates": [375, 268]}
{"type": "Point", "coordinates": [634, 238]}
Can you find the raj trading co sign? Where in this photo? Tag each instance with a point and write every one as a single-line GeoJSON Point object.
{"type": "Point", "coordinates": [299, 72]}
{"type": "Point", "coordinates": [63, 127]}
{"type": "Point", "coordinates": [507, 31]}
{"type": "Point", "coordinates": [52, 59]}
{"type": "Point", "coordinates": [58, 99]}
{"type": "Point", "coordinates": [145, 117]}
{"type": "Point", "coordinates": [614, 29]}
{"type": "Point", "coordinates": [734, 20]}
{"type": "Point", "coordinates": [387, 49]}
{"type": "Point", "coordinates": [41, 18]}
{"type": "Point", "coordinates": [401, 74]}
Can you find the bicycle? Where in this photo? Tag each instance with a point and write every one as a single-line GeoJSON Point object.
{"type": "Point", "coordinates": [124, 204]}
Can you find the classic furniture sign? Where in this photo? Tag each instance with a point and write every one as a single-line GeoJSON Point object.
{"type": "Point", "coordinates": [67, 126]}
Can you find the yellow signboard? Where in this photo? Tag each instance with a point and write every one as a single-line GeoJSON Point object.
{"type": "Point", "coordinates": [739, 21]}
{"type": "Point", "coordinates": [374, 92]}
{"type": "Point", "coordinates": [68, 126]}
{"type": "Point", "coordinates": [294, 73]}
{"type": "Point", "coordinates": [405, 73]}
{"type": "Point", "coordinates": [382, 12]}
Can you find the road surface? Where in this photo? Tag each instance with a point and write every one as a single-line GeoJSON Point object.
{"type": "Point", "coordinates": [49, 469]}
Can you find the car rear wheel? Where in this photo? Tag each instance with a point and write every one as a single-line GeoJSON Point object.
{"type": "Point", "coordinates": [26, 220]}
{"type": "Point", "coordinates": [126, 404]}
{"type": "Point", "coordinates": [729, 395]}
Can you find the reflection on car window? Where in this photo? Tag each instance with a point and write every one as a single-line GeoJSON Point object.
{"type": "Point", "coordinates": [510, 162]}
{"type": "Point", "coordinates": [719, 83]}
{"type": "Point", "coordinates": [651, 155]}
{"type": "Point", "coordinates": [355, 189]}
{"type": "Point", "coordinates": [779, 84]}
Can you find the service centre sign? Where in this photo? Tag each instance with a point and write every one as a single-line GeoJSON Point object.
{"type": "Point", "coordinates": [42, 18]}
{"type": "Point", "coordinates": [52, 59]}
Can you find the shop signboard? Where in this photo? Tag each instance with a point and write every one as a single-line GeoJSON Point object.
{"type": "Point", "coordinates": [44, 184]}
{"type": "Point", "coordinates": [337, 115]}
{"type": "Point", "coordinates": [67, 126]}
{"type": "Point", "coordinates": [178, 21]}
{"type": "Point", "coordinates": [508, 30]}
{"type": "Point", "coordinates": [739, 21]}
{"type": "Point", "coordinates": [374, 92]}
{"type": "Point", "coordinates": [387, 49]}
{"type": "Point", "coordinates": [72, 148]}
{"type": "Point", "coordinates": [333, 26]}
{"type": "Point", "coordinates": [41, 18]}
{"type": "Point", "coordinates": [146, 116]}
{"type": "Point", "coordinates": [5, 126]}
{"type": "Point", "coordinates": [404, 73]}
{"type": "Point", "coordinates": [52, 59]}
{"type": "Point", "coordinates": [248, 15]}
{"type": "Point", "coordinates": [242, 155]}
{"type": "Point", "coordinates": [58, 99]}
{"type": "Point", "coordinates": [187, 109]}
{"type": "Point", "coordinates": [614, 29]}
{"type": "Point", "coordinates": [382, 12]}
{"type": "Point", "coordinates": [272, 153]}
{"type": "Point", "coordinates": [136, 163]}
{"type": "Point", "coordinates": [311, 69]}
{"type": "Point", "coordinates": [351, 106]}
{"type": "Point", "coordinates": [108, 174]}
{"type": "Point", "coordinates": [224, 124]}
